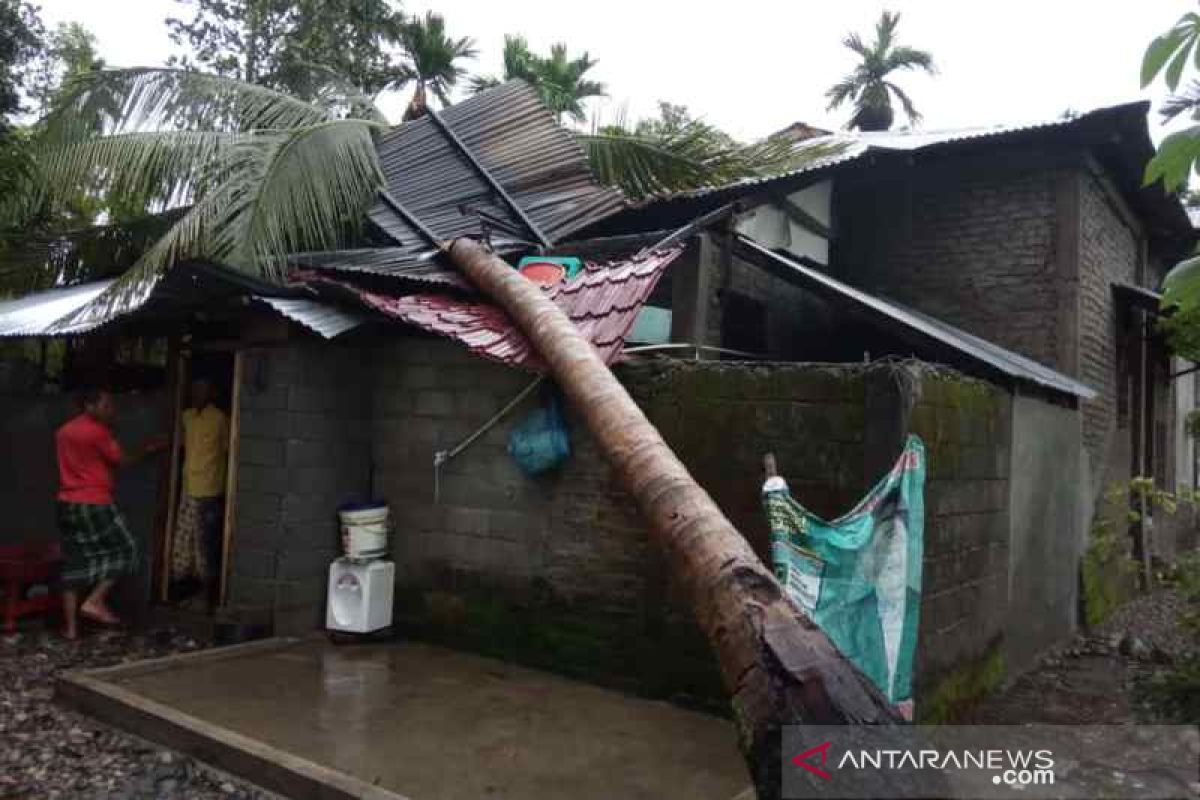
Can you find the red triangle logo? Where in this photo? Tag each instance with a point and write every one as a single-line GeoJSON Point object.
{"type": "Point", "coordinates": [802, 760]}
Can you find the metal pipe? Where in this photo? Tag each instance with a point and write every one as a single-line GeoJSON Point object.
{"type": "Point", "coordinates": [698, 348]}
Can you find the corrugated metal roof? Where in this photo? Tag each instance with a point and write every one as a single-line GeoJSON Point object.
{"type": "Point", "coordinates": [990, 355]}
{"type": "Point", "coordinates": [1139, 296]}
{"type": "Point", "coordinates": [321, 318]}
{"type": "Point", "coordinates": [844, 147]}
{"type": "Point", "coordinates": [34, 314]}
{"type": "Point", "coordinates": [508, 131]}
{"type": "Point", "coordinates": [603, 303]}
{"type": "Point", "coordinates": [393, 262]}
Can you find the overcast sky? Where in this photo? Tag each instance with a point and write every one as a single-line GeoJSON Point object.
{"type": "Point", "coordinates": [754, 66]}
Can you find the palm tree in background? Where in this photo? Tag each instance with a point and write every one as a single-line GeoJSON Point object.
{"type": "Point", "coordinates": [869, 86]}
{"type": "Point", "coordinates": [519, 64]}
{"type": "Point", "coordinates": [432, 61]}
{"type": "Point", "coordinates": [560, 80]}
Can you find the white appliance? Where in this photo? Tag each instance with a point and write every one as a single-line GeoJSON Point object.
{"type": "Point", "coordinates": [360, 595]}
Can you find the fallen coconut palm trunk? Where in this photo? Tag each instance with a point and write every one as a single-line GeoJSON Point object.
{"type": "Point", "coordinates": [779, 668]}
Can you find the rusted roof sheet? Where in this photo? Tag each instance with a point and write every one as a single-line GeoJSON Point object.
{"type": "Point", "coordinates": [522, 149]}
{"type": "Point", "coordinates": [603, 302]}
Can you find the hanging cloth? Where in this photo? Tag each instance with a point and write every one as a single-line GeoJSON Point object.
{"type": "Point", "coordinates": [859, 577]}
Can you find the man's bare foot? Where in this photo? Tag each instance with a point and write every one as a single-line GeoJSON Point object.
{"type": "Point", "coordinates": [99, 614]}
{"type": "Point", "coordinates": [70, 634]}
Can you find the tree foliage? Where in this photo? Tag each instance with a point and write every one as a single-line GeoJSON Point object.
{"type": "Point", "coordinates": [869, 86]}
{"type": "Point", "coordinates": [560, 79]}
{"type": "Point", "coordinates": [222, 169]}
{"type": "Point", "coordinates": [677, 152]}
{"type": "Point", "coordinates": [431, 61]}
{"type": "Point", "coordinates": [1169, 55]}
{"type": "Point", "coordinates": [291, 45]}
{"type": "Point", "coordinates": [21, 42]}
{"type": "Point", "coordinates": [69, 51]}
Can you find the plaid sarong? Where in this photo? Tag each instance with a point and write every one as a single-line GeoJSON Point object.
{"type": "Point", "coordinates": [196, 547]}
{"type": "Point", "coordinates": [96, 544]}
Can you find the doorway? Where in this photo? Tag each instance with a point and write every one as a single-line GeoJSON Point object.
{"type": "Point", "coordinates": [195, 542]}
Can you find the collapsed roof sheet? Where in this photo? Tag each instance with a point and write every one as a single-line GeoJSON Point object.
{"type": "Point", "coordinates": [497, 161]}
{"type": "Point", "coordinates": [603, 302]}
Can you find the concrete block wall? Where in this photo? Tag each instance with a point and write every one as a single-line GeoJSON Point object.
{"type": "Point", "coordinates": [966, 428]}
{"type": "Point", "coordinates": [559, 570]}
{"type": "Point", "coordinates": [303, 452]}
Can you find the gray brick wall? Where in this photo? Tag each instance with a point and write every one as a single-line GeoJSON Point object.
{"type": "Point", "coordinates": [1020, 249]}
{"type": "Point", "coordinates": [303, 452]}
{"type": "Point", "coordinates": [1107, 254]}
{"type": "Point", "coordinates": [559, 570]}
{"type": "Point", "coordinates": [970, 244]}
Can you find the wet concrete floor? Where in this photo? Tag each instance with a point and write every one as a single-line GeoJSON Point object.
{"type": "Point", "coordinates": [427, 722]}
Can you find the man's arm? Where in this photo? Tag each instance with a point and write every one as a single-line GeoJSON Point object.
{"type": "Point", "coordinates": [155, 444]}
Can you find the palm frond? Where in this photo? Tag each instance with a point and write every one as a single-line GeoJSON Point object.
{"type": "Point", "coordinates": [688, 156]}
{"type": "Point", "coordinates": [185, 239]}
{"type": "Point", "coordinates": [481, 83]}
{"type": "Point", "coordinates": [909, 58]}
{"type": "Point", "coordinates": [906, 103]}
{"type": "Point", "coordinates": [139, 167]}
{"type": "Point", "coordinates": [854, 42]}
{"type": "Point", "coordinates": [885, 31]}
{"type": "Point", "coordinates": [297, 190]}
{"type": "Point", "coordinates": [1186, 101]}
{"type": "Point", "coordinates": [144, 98]}
{"type": "Point", "coordinates": [843, 90]}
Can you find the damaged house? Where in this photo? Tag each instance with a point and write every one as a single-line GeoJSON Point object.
{"type": "Point", "coordinates": [990, 290]}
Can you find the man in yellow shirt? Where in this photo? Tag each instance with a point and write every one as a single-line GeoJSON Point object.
{"type": "Point", "coordinates": [196, 552]}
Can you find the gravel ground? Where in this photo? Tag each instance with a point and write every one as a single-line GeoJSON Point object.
{"type": "Point", "coordinates": [1091, 679]}
{"type": "Point", "coordinates": [1153, 618]}
{"type": "Point", "coordinates": [47, 751]}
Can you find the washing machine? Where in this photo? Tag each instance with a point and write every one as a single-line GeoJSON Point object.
{"type": "Point", "coordinates": [360, 595]}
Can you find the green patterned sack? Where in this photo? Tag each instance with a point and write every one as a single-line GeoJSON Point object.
{"type": "Point", "coordinates": [859, 576]}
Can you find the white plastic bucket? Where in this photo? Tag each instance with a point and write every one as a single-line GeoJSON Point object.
{"type": "Point", "coordinates": [365, 531]}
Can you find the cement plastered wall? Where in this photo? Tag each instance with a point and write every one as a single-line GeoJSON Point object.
{"type": "Point", "coordinates": [303, 451]}
{"type": "Point", "coordinates": [1048, 500]}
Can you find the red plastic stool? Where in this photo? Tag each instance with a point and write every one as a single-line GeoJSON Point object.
{"type": "Point", "coordinates": [22, 566]}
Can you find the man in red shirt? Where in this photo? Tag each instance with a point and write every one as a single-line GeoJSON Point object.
{"type": "Point", "coordinates": [97, 545]}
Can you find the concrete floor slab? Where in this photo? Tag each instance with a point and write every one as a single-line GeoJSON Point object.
{"type": "Point", "coordinates": [426, 722]}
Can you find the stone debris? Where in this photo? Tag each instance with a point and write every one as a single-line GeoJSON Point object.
{"type": "Point", "coordinates": [47, 751]}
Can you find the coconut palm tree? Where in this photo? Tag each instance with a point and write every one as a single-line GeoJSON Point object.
{"type": "Point", "coordinates": [869, 86]}
{"type": "Point", "coordinates": [255, 173]}
{"type": "Point", "coordinates": [432, 61]}
{"type": "Point", "coordinates": [778, 667]}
